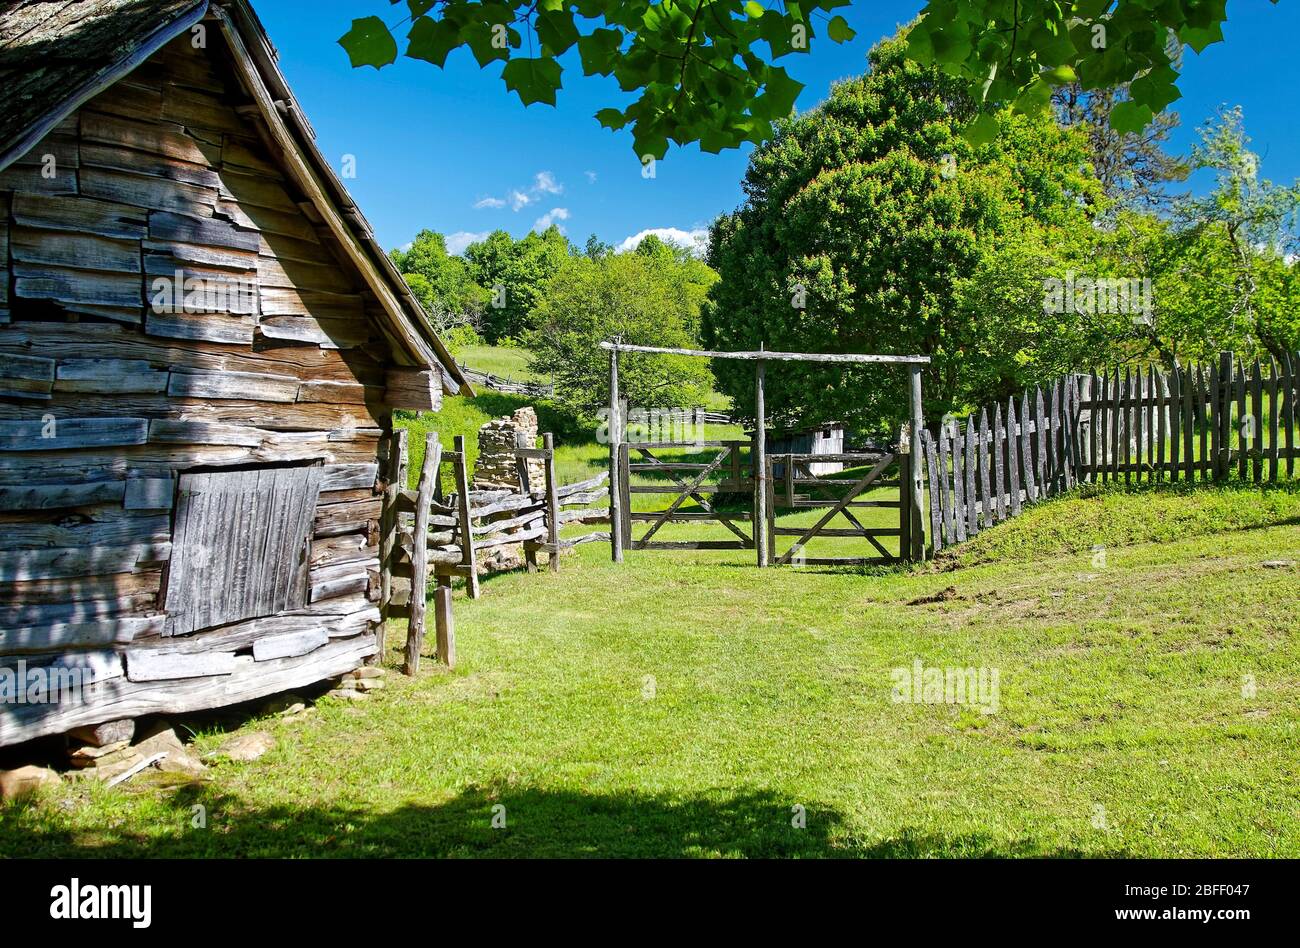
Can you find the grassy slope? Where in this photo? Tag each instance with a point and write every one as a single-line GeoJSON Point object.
{"type": "Point", "coordinates": [513, 364]}
{"type": "Point", "coordinates": [1122, 729]}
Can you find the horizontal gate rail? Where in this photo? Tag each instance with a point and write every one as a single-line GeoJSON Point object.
{"type": "Point", "coordinates": [687, 482]}
{"type": "Point", "coordinates": [841, 505]}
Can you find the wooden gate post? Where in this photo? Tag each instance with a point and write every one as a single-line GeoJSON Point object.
{"type": "Point", "coordinates": [615, 433]}
{"type": "Point", "coordinates": [917, 492]}
{"type": "Point", "coordinates": [759, 463]}
{"type": "Point", "coordinates": [420, 552]}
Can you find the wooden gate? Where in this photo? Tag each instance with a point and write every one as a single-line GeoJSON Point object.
{"type": "Point", "coordinates": [793, 487]}
{"type": "Point", "coordinates": [690, 480]}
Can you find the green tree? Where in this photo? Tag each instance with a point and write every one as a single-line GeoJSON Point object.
{"type": "Point", "coordinates": [1133, 167]}
{"type": "Point", "coordinates": [441, 282]}
{"type": "Point", "coordinates": [644, 299]}
{"type": "Point", "coordinates": [872, 225]}
{"type": "Point", "coordinates": [514, 273]}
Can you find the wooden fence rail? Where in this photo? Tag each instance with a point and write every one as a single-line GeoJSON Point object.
{"type": "Point", "coordinates": [1196, 423]}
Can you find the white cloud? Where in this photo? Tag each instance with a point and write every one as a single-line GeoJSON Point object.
{"type": "Point", "coordinates": [457, 242]}
{"type": "Point", "coordinates": [591, 177]}
{"type": "Point", "coordinates": [550, 217]}
{"type": "Point", "coordinates": [696, 241]}
{"type": "Point", "coordinates": [545, 183]}
{"type": "Point", "coordinates": [518, 198]}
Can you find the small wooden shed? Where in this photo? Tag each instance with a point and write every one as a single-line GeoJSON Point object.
{"type": "Point", "coordinates": [827, 438]}
{"type": "Point", "coordinates": [201, 345]}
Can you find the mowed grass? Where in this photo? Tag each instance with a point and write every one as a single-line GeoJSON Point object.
{"type": "Point", "coordinates": [689, 704]}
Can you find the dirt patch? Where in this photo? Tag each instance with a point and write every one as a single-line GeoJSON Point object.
{"type": "Point", "coordinates": [943, 595]}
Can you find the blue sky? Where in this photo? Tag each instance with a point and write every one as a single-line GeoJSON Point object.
{"type": "Point", "coordinates": [440, 148]}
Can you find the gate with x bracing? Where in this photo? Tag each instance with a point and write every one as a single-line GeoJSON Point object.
{"type": "Point", "coordinates": [714, 469]}
{"type": "Point", "coordinates": [793, 486]}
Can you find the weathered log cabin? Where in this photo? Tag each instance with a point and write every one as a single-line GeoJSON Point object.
{"type": "Point", "coordinates": [201, 345]}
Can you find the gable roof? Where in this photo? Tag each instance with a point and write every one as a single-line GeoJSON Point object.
{"type": "Point", "coordinates": [57, 54]}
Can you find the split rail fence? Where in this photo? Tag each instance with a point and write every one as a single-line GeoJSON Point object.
{"type": "Point", "coordinates": [427, 531]}
{"type": "Point", "coordinates": [1196, 423]}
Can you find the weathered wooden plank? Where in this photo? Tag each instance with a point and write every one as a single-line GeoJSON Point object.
{"type": "Point", "coordinates": [961, 498]}
{"type": "Point", "coordinates": [289, 644]}
{"type": "Point", "coordinates": [166, 255]}
{"type": "Point", "coordinates": [998, 447]}
{"type": "Point", "coordinates": [149, 493]}
{"type": "Point", "coordinates": [936, 506]}
{"type": "Point", "coordinates": [92, 527]}
{"type": "Point", "coordinates": [226, 329]}
{"type": "Point", "coordinates": [985, 480]}
{"type": "Point", "coordinates": [98, 633]}
{"type": "Point", "coordinates": [419, 389]}
{"type": "Point", "coordinates": [79, 215]}
{"type": "Point", "coordinates": [322, 331]}
{"type": "Point", "coordinates": [268, 220]}
{"type": "Point", "coordinates": [155, 665]}
{"type": "Point", "coordinates": [25, 565]}
{"type": "Point", "coordinates": [157, 194]}
{"type": "Point", "coordinates": [1175, 422]}
{"type": "Point", "coordinates": [169, 141]}
{"type": "Point", "coordinates": [1013, 461]}
{"type": "Point", "coordinates": [971, 473]}
{"type": "Point", "coordinates": [71, 433]}
{"type": "Point", "coordinates": [1027, 448]}
{"type": "Point", "coordinates": [55, 181]}
{"type": "Point", "coordinates": [110, 376]}
{"type": "Point", "coordinates": [26, 376]}
{"type": "Point", "coordinates": [287, 273]}
{"type": "Point", "coordinates": [55, 496]}
{"type": "Point", "coordinates": [51, 282]}
{"type": "Point", "coordinates": [114, 158]}
{"type": "Point", "coordinates": [1204, 399]}
{"type": "Point", "coordinates": [1274, 418]}
{"type": "Point", "coordinates": [1289, 409]}
{"type": "Point", "coordinates": [1161, 389]}
{"type": "Point", "coordinates": [252, 386]}
{"type": "Point", "coordinates": [200, 230]}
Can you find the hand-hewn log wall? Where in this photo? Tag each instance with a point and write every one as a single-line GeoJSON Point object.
{"type": "Point", "coordinates": [114, 379]}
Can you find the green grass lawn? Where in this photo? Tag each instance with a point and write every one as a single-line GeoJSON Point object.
{"type": "Point", "coordinates": [689, 704]}
{"type": "Point", "coordinates": [514, 364]}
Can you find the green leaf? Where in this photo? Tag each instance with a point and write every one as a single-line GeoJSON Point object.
{"type": "Point", "coordinates": [1130, 117]}
{"type": "Point", "coordinates": [839, 30]}
{"type": "Point", "coordinates": [981, 131]}
{"type": "Point", "coordinates": [599, 51]}
{"type": "Point", "coordinates": [369, 43]}
{"type": "Point", "coordinates": [1198, 38]}
{"type": "Point", "coordinates": [611, 118]}
{"type": "Point", "coordinates": [419, 8]}
{"type": "Point", "coordinates": [535, 80]}
{"type": "Point", "coordinates": [431, 40]}
{"type": "Point", "coordinates": [754, 10]}
{"type": "Point", "coordinates": [556, 30]}
{"type": "Point", "coordinates": [483, 42]}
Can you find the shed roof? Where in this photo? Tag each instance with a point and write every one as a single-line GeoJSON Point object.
{"type": "Point", "coordinates": [57, 54]}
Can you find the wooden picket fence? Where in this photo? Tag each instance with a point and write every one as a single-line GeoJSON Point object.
{"type": "Point", "coordinates": [1196, 423]}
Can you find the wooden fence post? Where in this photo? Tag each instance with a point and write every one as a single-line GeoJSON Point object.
{"type": "Point", "coordinates": [552, 503]}
{"type": "Point", "coordinates": [420, 552]}
{"type": "Point", "coordinates": [917, 490]}
{"type": "Point", "coordinates": [468, 560]}
{"type": "Point", "coordinates": [615, 433]}
{"type": "Point", "coordinates": [444, 622]}
{"type": "Point", "coordinates": [388, 534]}
{"type": "Point", "coordinates": [759, 463]}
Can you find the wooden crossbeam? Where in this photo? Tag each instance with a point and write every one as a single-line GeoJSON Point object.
{"type": "Point", "coordinates": [681, 498]}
